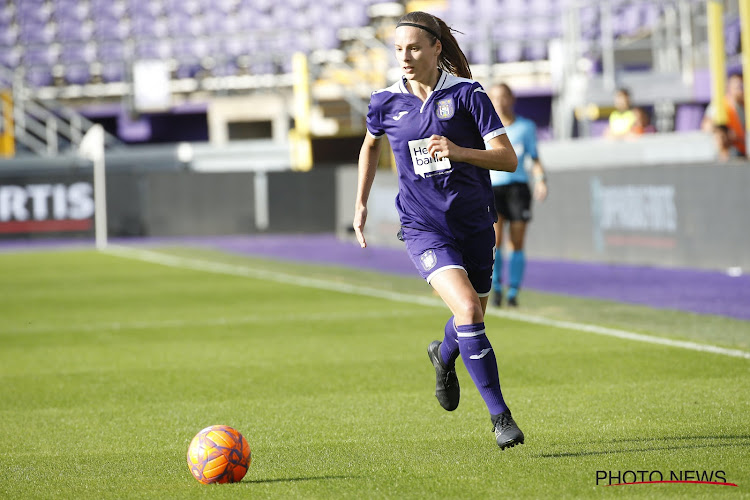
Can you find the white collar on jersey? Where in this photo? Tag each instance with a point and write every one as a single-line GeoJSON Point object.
{"type": "Point", "coordinates": [445, 81]}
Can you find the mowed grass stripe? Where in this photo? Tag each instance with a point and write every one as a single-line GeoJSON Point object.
{"type": "Point", "coordinates": [206, 322]}
{"type": "Point", "coordinates": [237, 270]}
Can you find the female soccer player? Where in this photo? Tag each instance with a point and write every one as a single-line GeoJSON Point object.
{"type": "Point", "coordinates": [512, 194]}
{"type": "Point", "coordinates": [437, 121]}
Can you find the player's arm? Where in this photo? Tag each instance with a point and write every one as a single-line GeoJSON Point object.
{"type": "Point", "coordinates": [537, 170]}
{"type": "Point", "coordinates": [540, 180]}
{"type": "Point", "coordinates": [368, 164]}
{"type": "Point", "coordinates": [502, 156]}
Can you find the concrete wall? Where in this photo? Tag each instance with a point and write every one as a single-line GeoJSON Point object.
{"type": "Point", "coordinates": [141, 202]}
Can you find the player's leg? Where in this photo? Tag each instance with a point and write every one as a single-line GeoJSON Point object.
{"type": "Point", "coordinates": [501, 205]}
{"type": "Point", "coordinates": [477, 352]}
{"type": "Point", "coordinates": [456, 290]}
{"type": "Point", "coordinates": [517, 265]}
{"type": "Point", "coordinates": [443, 355]}
{"type": "Point", "coordinates": [433, 254]}
{"type": "Point", "coordinates": [497, 269]}
{"type": "Point", "coordinates": [519, 202]}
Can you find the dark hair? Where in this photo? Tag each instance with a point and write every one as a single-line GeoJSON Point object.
{"type": "Point", "coordinates": [452, 58]}
{"type": "Point", "coordinates": [624, 91]}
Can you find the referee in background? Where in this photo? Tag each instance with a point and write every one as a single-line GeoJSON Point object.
{"type": "Point", "coordinates": [512, 194]}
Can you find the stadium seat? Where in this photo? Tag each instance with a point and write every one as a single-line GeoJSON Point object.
{"type": "Point", "coordinates": [179, 29]}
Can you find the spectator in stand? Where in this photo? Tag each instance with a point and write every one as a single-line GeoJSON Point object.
{"type": "Point", "coordinates": [642, 124]}
{"type": "Point", "coordinates": [621, 120]}
{"type": "Point", "coordinates": [730, 136]}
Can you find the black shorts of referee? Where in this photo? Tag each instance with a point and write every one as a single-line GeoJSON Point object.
{"type": "Point", "coordinates": [513, 201]}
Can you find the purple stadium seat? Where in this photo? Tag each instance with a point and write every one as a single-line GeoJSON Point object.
{"type": "Point", "coordinates": [541, 28]}
{"type": "Point", "coordinates": [78, 53]}
{"type": "Point", "coordinates": [325, 38]}
{"type": "Point", "coordinates": [71, 30]}
{"type": "Point", "coordinates": [73, 11]}
{"type": "Point", "coordinates": [113, 71]}
{"type": "Point", "coordinates": [355, 14]}
{"type": "Point", "coordinates": [7, 13]}
{"type": "Point", "coordinates": [536, 50]}
{"type": "Point", "coordinates": [39, 76]}
{"type": "Point", "coordinates": [40, 55]}
{"type": "Point", "coordinates": [629, 20]}
{"type": "Point", "coordinates": [650, 15]}
{"type": "Point", "coordinates": [234, 46]}
{"type": "Point", "coordinates": [153, 49]}
{"type": "Point", "coordinates": [77, 73]}
{"type": "Point", "coordinates": [11, 56]}
{"type": "Point", "coordinates": [510, 51]}
{"type": "Point", "coordinates": [178, 24]}
{"type": "Point", "coordinates": [111, 51]}
{"type": "Point", "coordinates": [152, 28]}
{"type": "Point", "coordinates": [32, 11]}
{"type": "Point", "coordinates": [111, 29]}
{"type": "Point", "coordinates": [196, 26]}
{"type": "Point", "coordinates": [226, 68]}
{"type": "Point", "coordinates": [8, 36]}
{"type": "Point", "coordinates": [479, 52]}
{"type": "Point", "coordinates": [36, 32]}
{"type": "Point", "coordinates": [261, 67]}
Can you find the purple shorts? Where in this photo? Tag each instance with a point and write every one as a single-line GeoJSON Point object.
{"type": "Point", "coordinates": [433, 252]}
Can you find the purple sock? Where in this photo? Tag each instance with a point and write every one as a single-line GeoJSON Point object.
{"type": "Point", "coordinates": [449, 348]}
{"type": "Point", "coordinates": [479, 358]}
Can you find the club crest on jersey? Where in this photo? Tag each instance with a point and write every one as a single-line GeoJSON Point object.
{"type": "Point", "coordinates": [428, 260]}
{"type": "Point", "coordinates": [445, 109]}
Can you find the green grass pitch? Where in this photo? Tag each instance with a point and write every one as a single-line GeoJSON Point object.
{"type": "Point", "coordinates": [109, 366]}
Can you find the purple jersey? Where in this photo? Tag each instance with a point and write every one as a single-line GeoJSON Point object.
{"type": "Point", "coordinates": [446, 196]}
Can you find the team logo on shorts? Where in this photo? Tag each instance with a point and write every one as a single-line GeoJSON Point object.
{"type": "Point", "coordinates": [428, 260]}
{"type": "Point", "coordinates": [445, 109]}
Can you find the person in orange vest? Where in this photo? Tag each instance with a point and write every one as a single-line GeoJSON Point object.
{"type": "Point", "coordinates": [730, 136]}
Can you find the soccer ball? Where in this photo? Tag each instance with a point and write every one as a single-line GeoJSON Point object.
{"type": "Point", "coordinates": [218, 454]}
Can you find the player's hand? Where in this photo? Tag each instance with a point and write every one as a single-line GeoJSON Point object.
{"type": "Point", "coordinates": [360, 216]}
{"type": "Point", "coordinates": [540, 190]}
{"type": "Point", "coordinates": [441, 147]}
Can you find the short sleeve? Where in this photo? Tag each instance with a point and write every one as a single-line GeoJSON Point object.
{"type": "Point", "coordinates": [531, 141]}
{"type": "Point", "coordinates": [374, 123]}
{"type": "Point", "coordinates": [484, 113]}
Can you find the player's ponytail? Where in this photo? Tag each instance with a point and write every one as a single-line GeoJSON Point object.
{"type": "Point", "coordinates": [452, 58]}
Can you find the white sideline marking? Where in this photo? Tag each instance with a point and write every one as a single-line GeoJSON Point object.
{"type": "Point", "coordinates": [290, 279]}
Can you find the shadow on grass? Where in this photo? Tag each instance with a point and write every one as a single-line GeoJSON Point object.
{"type": "Point", "coordinates": [674, 438]}
{"type": "Point", "coordinates": [734, 442]}
{"type": "Point", "coordinates": [294, 479]}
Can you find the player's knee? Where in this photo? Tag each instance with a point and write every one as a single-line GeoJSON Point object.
{"type": "Point", "coordinates": [469, 312]}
